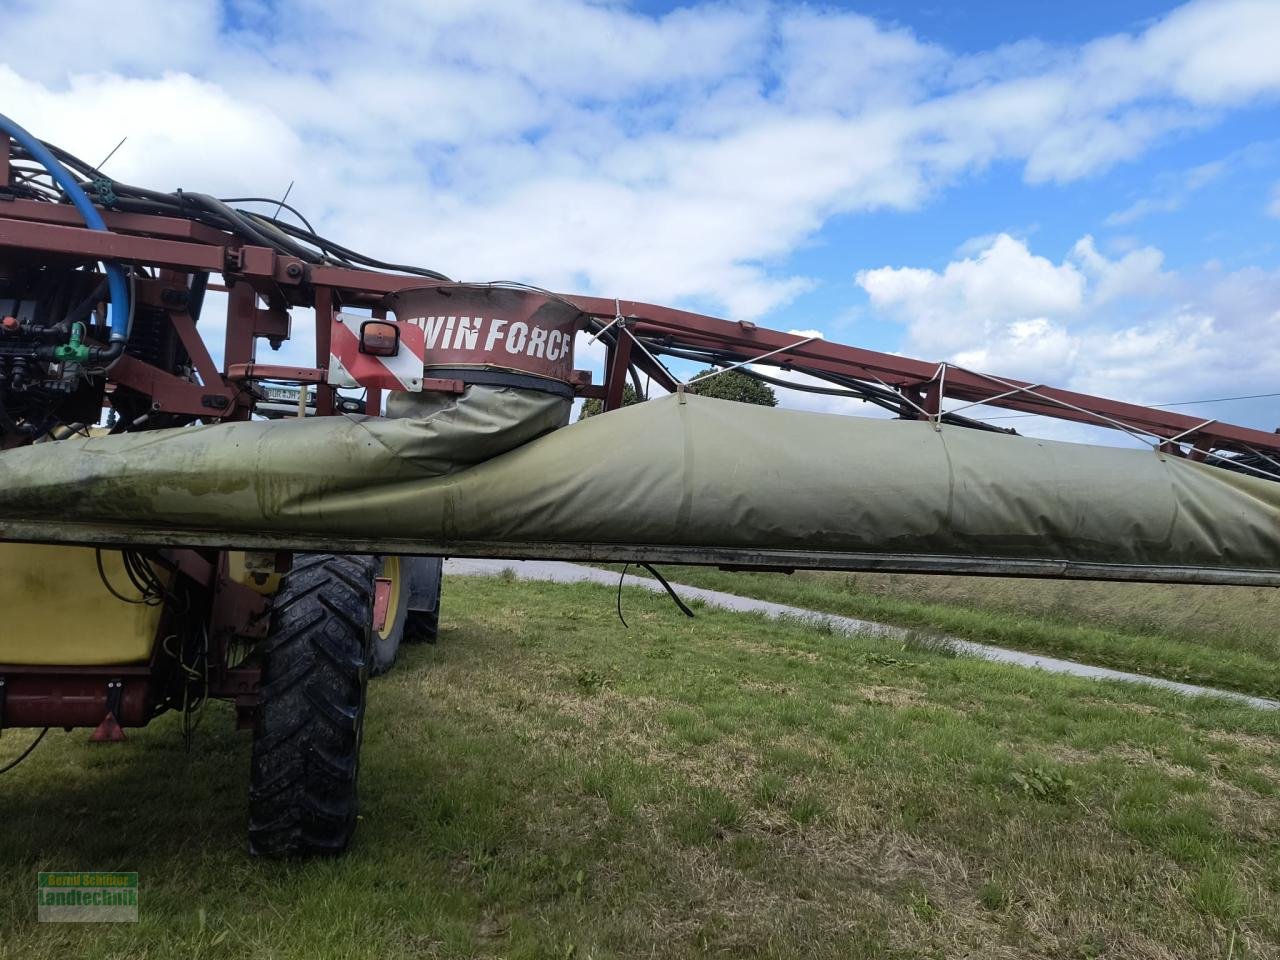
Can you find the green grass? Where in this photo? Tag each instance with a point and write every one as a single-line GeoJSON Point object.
{"type": "Point", "coordinates": [1225, 637]}
{"type": "Point", "coordinates": [544, 783]}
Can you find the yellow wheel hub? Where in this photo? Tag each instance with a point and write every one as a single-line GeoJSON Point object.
{"type": "Point", "coordinates": [391, 571]}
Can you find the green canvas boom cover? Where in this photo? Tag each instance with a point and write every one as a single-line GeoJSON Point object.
{"type": "Point", "coordinates": [494, 472]}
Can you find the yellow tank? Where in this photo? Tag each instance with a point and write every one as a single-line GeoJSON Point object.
{"type": "Point", "coordinates": [55, 611]}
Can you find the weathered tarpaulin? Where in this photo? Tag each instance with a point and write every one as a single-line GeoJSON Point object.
{"type": "Point", "coordinates": [702, 480]}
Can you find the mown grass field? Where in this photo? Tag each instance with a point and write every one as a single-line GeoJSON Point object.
{"type": "Point", "coordinates": [544, 783]}
{"type": "Point", "coordinates": [1225, 637]}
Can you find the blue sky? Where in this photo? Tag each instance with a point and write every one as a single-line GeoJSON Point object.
{"type": "Point", "coordinates": [978, 26]}
{"type": "Point", "coordinates": [1086, 194]}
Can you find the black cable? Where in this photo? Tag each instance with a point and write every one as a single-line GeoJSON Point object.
{"type": "Point", "coordinates": [25, 753]}
{"type": "Point", "coordinates": [670, 591]}
{"type": "Point", "coordinates": [851, 388]}
{"type": "Point", "coordinates": [102, 575]}
{"type": "Point", "coordinates": [279, 203]}
{"type": "Point", "coordinates": [621, 577]}
{"type": "Point", "coordinates": [661, 579]}
{"type": "Point", "coordinates": [148, 582]}
{"type": "Point", "coordinates": [1178, 403]}
{"type": "Point", "coordinates": [352, 255]}
{"type": "Point", "coordinates": [258, 228]}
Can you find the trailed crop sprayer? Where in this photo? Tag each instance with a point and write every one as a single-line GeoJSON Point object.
{"type": "Point", "coordinates": [175, 530]}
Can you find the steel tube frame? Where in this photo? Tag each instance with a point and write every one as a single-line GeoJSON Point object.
{"type": "Point", "coordinates": [749, 340]}
{"type": "Point", "coordinates": [184, 246]}
{"type": "Point", "coordinates": [45, 228]}
{"type": "Point", "coordinates": [106, 534]}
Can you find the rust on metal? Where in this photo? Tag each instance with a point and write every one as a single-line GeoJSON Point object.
{"type": "Point", "coordinates": [492, 327]}
{"type": "Point", "coordinates": [75, 696]}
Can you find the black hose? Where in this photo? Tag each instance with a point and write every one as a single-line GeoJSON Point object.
{"type": "Point", "coordinates": [260, 229]}
{"type": "Point", "coordinates": [25, 753]}
{"type": "Point", "coordinates": [850, 387]}
{"type": "Point", "coordinates": [279, 204]}
{"type": "Point", "coordinates": [670, 590]}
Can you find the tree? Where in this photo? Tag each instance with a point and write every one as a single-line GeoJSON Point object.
{"type": "Point", "coordinates": [735, 385]}
{"type": "Point", "coordinates": [591, 407]}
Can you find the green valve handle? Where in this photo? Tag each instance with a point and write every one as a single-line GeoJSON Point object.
{"type": "Point", "coordinates": [74, 349]}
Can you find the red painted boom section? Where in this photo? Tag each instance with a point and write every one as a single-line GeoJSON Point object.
{"type": "Point", "coordinates": [256, 274]}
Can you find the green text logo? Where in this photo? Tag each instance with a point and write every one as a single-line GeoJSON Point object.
{"type": "Point", "coordinates": [87, 896]}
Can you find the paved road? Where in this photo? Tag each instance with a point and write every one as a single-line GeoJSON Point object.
{"type": "Point", "coordinates": [561, 572]}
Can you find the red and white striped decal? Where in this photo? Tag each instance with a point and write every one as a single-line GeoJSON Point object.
{"type": "Point", "coordinates": [348, 367]}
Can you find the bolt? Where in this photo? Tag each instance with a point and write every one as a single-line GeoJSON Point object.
{"type": "Point", "coordinates": [293, 270]}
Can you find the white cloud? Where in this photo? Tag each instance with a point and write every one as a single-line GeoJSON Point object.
{"type": "Point", "coordinates": [587, 145]}
{"type": "Point", "coordinates": [1121, 327]}
{"type": "Point", "coordinates": [975, 296]}
{"type": "Point", "coordinates": [1213, 52]}
{"type": "Point", "coordinates": [1136, 274]}
{"type": "Point", "coordinates": [1273, 204]}
{"type": "Point", "coordinates": [684, 157]}
{"type": "Point", "coordinates": [192, 134]}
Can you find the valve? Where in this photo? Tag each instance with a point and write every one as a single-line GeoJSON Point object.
{"type": "Point", "coordinates": [74, 349]}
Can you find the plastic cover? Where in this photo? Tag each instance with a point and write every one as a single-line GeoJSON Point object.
{"type": "Point", "coordinates": [491, 467]}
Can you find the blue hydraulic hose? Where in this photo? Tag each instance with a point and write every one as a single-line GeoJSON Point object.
{"type": "Point", "coordinates": [118, 316]}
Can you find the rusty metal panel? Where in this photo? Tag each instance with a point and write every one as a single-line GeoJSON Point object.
{"type": "Point", "coordinates": [492, 327]}
{"type": "Point", "coordinates": [105, 245]}
{"type": "Point", "coordinates": [75, 696]}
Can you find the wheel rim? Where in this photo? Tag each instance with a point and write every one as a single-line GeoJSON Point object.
{"type": "Point", "coordinates": [391, 571]}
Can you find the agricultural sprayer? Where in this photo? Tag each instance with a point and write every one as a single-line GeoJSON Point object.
{"type": "Point", "coordinates": [175, 530]}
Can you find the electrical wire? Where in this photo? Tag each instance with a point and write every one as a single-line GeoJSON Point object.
{"type": "Point", "coordinates": [102, 575]}
{"type": "Point", "coordinates": [683, 607]}
{"type": "Point", "coordinates": [302, 242]}
{"type": "Point", "coordinates": [1177, 403]}
{"type": "Point", "coordinates": [279, 204]}
{"type": "Point", "coordinates": [670, 590]}
{"type": "Point", "coordinates": [40, 152]}
{"type": "Point", "coordinates": [152, 591]}
{"type": "Point", "coordinates": [848, 387]}
{"type": "Point", "coordinates": [25, 753]}
{"type": "Point", "coordinates": [622, 576]}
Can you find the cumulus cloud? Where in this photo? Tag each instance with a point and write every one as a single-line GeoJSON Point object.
{"type": "Point", "coordinates": [1116, 326]}
{"type": "Point", "coordinates": [975, 297]}
{"type": "Point", "coordinates": [683, 157]}
{"type": "Point", "coordinates": [674, 157]}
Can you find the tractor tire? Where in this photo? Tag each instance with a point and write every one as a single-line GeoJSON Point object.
{"type": "Point", "coordinates": [306, 743]}
{"type": "Point", "coordinates": [422, 626]}
{"type": "Point", "coordinates": [426, 579]}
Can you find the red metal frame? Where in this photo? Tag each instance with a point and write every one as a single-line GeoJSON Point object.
{"type": "Point", "coordinates": [259, 273]}
{"type": "Point", "coordinates": [920, 378]}
{"type": "Point", "coordinates": [262, 284]}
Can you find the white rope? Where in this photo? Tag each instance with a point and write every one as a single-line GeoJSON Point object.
{"type": "Point", "coordinates": [743, 363]}
{"type": "Point", "coordinates": [617, 318]}
{"type": "Point", "coordinates": [1198, 426]}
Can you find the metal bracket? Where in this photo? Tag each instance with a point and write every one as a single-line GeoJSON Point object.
{"type": "Point", "coordinates": [381, 602]}
{"type": "Point", "coordinates": [114, 688]}
{"type": "Point", "coordinates": [109, 730]}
